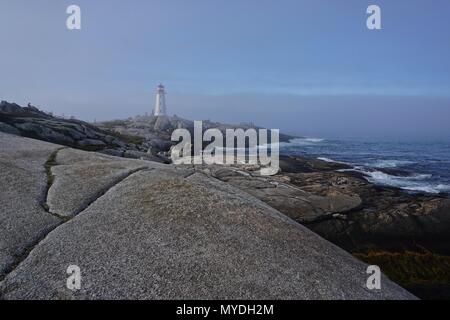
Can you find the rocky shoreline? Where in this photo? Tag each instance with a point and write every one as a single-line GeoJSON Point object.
{"type": "Point", "coordinates": [406, 234]}
{"type": "Point", "coordinates": [139, 229]}
{"type": "Point", "coordinates": [374, 223]}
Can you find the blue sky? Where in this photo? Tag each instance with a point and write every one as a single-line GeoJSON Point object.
{"type": "Point", "coordinates": [287, 64]}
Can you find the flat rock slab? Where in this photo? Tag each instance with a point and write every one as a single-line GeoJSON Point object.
{"type": "Point", "coordinates": [298, 203]}
{"type": "Point", "coordinates": [23, 221]}
{"type": "Point", "coordinates": [166, 233]}
{"type": "Point", "coordinates": [80, 177]}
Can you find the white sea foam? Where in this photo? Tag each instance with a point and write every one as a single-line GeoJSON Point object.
{"type": "Point", "coordinates": [326, 159]}
{"type": "Point", "coordinates": [314, 140]}
{"type": "Point", "coordinates": [301, 142]}
{"type": "Point", "coordinates": [389, 163]}
{"type": "Point", "coordinates": [382, 176]}
{"type": "Point", "coordinates": [417, 182]}
{"type": "Point", "coordinates": [429, 189]}
{"type": "Point", "coordinates": [332, 161]}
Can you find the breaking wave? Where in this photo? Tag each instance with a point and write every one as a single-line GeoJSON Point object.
{"type": "Point", "coordinates": [301, 142]}
{"type": "Point", "coordinates": [414, 182]}
{"type": "Point", "coordinates": [412, 166]}
{"type": "Point", "coordinates": [389, 163]}
{"type": "Point", "coordinates": [331, 160]}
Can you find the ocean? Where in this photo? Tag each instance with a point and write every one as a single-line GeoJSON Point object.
{"type": "Point", "coordinates": [411, 166]}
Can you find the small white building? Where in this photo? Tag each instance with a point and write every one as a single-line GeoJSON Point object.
{"type": "Point", "coordinates": [160, 107]}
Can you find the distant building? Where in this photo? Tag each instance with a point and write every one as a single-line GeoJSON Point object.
{"type": "Point", "coordinates": [160, 107]}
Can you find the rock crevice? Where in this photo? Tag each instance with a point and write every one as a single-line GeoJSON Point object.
{"type": "Point", "coordinates": [64, 219]}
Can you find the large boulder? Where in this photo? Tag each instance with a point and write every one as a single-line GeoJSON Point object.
{"type": "Point", "coordinates": [143, 156]}
{"type": "Point", "coordinates": [297, 203]}
{"type": "Point", "coordinates": [33, 123]}
{"type": "Point", "coordinates": [6, 107]}
{"type": "Point", "coordinates": [84, 181]}
{"type": "Point", "coordinates": [165, 232]}
{"type": "Point", "coordinates": [6, 128]}
{"type": "Point", "coordinates": [44, 132]}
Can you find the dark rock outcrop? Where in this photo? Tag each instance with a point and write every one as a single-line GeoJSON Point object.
{"type": "Point", "coordinates": [33, 123]}
{"type": "Point", "coordinates": [346, 209]}
{"type": "Point", "coordinates": [407, 235]}
{"type": "Point", "coordinates": [130, 138]}
{"type": "Point", "coordinates": [157, 130]}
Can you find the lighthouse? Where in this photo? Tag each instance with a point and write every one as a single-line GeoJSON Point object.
{"type": "Point", "coordinates": [160, 107]}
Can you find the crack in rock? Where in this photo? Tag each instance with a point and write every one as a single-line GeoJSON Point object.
{"type": "Point", "coordinates": [27, 252]}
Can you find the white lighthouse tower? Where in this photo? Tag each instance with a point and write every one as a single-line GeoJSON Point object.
{"type": "Point", "coordinates": [160, 107]}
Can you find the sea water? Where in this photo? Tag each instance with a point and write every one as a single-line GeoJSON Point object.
{"type": "Point", "coordinates": [412, 166]}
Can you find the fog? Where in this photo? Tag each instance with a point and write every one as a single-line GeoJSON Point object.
{"type": "Point", "coordinates": [305, 67]}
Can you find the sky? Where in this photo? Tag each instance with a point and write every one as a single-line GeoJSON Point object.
{"type": "Point", "coordinates": [306, 67]}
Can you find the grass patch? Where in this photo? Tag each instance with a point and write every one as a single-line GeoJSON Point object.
{"type": "Point", "coordinates": [51, 161]}
{"type": "Point", "coordinates": [114, 123]}
{"type": "Point", "coordinates": [423, 273]}
{"type": "Point", "coordinates": [127, 138]}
